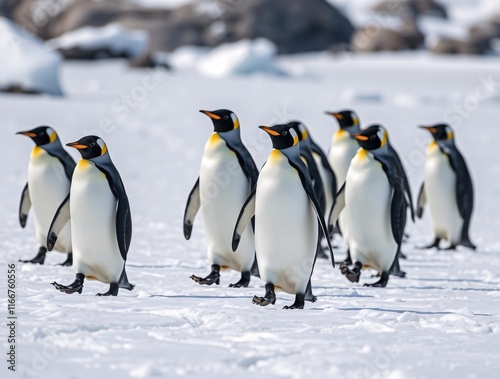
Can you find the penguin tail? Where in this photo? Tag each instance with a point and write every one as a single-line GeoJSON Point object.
{"type": "Point", "coordinates": [124, 283]}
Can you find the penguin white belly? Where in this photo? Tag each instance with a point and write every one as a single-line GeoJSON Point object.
{"type": "Point", "coordinates": [368, 208]}
{"type": "Point", "coordinates": [286, 228]}
{"type": "Point", "coordinates": [343, 149]}
{"type": "Point", "coordinates": [440, 191]}
{"type": "Point", "coordinates": [326, 178]}
{"type": "Point", "coordinates": [224, 189]}
{"type": "Point", "coordinates": [48, 187]}
{"type": "Point", "coordinates": [93, 221]}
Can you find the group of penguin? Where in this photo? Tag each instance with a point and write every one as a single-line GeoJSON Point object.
{"type": "Point", "coordinates": [268, 223]}
{"type": "Point", "coordinates": [271, 223]}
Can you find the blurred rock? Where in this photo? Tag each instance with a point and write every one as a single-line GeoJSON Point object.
{"type": "Point", "coordinates": [147, 61]}
{"type": "Point", "coordinates": [411, 8]}
{"type": "Point", "coordinates": [371, 38]}
{"type": "Point", "coordinates": [445, 45]}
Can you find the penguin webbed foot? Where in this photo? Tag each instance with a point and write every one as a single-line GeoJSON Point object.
{"type": "Point", "coordinates": [113, 290]}
{"type": "Point", "coordinates": [450, 248]}
{"type": "Point", "coordinates": [430, 246]}
{"type": "Point", "coordinates": [68, 261]}
{"type": "Point", "coordinates": [352, 275]}
{"type": "Point", "coordinates": [298, 304]}
{"type": "Point", "coordinates": [243, 282]}
{"type": "Point", "coordinates": [76, 286]}
{"type": "Point", "coordinates": [384, 278]}
{"type": "Point", "coordinates": [213, 277]}
{"type": "Point", "coordinates": [38, 259]}
{"type": "Point", "coordinates": [269, 297]}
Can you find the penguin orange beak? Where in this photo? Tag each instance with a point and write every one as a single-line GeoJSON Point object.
{"type": "Point", "coordinates": [360, 137]}
{"type": "Point", "coordinates": [338, 116]}
{"type": "Point", "coordinates": [429, 128]}
{"type": "Point", "coordinates": [268, 130]}
{"type": "Point", "coordinates": [213, 116]}
{"type": "Point", "coordinates": [28, 134]}
{"type": "Point", "coordinates": [77, 145]}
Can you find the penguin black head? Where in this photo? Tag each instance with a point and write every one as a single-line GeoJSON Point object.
{"type": "Point", "coordinates": [283, 136]}
{"type": "Point", "coordinates": [89, 147]}
{"type": "Point", "coordinates": [372, 138]}
{"type": "Point", "coordinates": [223, 119]}
{"type": "Point", "coordinates": [345, 118]}
{"type": "Point", "coordinates": [300, 129]}
{"type": "Point", "coordinates": [41, 135]}
{"type": "Point", "coordinates": [440, 132]}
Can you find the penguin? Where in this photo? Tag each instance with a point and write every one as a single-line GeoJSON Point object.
{"type": "Point", "coordinates": [448, 189]}
{"type": "Point", "coordinates": [49, 179]}
{"type": "Point", "coordinates": [101, 222]}
{"type": "Point", "coordinates": [287, 217]}
{"type": "Point", "coordinates": [227, 175]}
{"type": "Point", "coordinates": [343, 148]}
{"type": "Point", "coordinates": [373, 196]}
{"type": "Point", "coordinates": [306, 154]}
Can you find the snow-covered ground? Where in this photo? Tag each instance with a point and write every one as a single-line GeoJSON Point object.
{"type": "Point", "coordinates": [443, 320]}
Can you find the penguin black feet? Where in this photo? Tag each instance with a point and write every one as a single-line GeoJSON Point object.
{"type": "Point", "coordinates": [384, 278]}
{"type": "Point", "coordinates": [352, 275]}
{"type": "Point", "coordinates": [68, 261]}
{"type": "Point", "coordinates": [76, 286]}
{"type": "Point", "coordinates": [243, 282]}
{"type": "Point", "coordinates": [434, 244]}
{"type": "Point", "coordinates": [113, 290]}
{"type": "Point", "coordinates": [213, 277]}
{"type": "Point", "coordinates": [39, 258]}
{"type": "Point", "coordinates": [299, 302]}
{"type": "Point", "coordinates": [269, 297]}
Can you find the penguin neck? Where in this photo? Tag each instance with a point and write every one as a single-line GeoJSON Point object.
{"type": "Point", "coordinates": [381, 151]}
{"type": "Point", "coordinates": [51, 147]}
{"type": "Point", "coordinates": [354, 129]}
{"type": "Point", "coordinates": [291, 152]}
{"type": "Point", "coordinates": [231, 136]}
{"type": "Point", "coordinates": [102, 159]}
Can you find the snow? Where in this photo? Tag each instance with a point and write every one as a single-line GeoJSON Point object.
{"type": "Point", "coordinates": [443, 320]}
{"type": "Point", "coordinates": [114, 37]}
{"type": "Point", "coordinates": [244, 57]}
{"type": "Point", "coordinates": [26, 62]}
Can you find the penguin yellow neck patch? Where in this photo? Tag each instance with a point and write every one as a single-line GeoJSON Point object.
{"type": "Point", "coordinates": [275, 155]}
{"type": "Point", "coordinates": [340, 134]}
{"type": "Point", "coordinates": [35, 153]}
{"type": "Point", "coordinates": [214, 138]}
{"type": "Point", "coordinates": [362, 154]}
{"type": "Point", "coordinates": [83, 164]}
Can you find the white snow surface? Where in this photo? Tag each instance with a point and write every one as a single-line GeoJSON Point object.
{"type": "Point", "coordinates": [26, 62]}
{"type": "Point", "coordinates": [114, 37]}
{"type": "Point", "coordinates": [443, 320]}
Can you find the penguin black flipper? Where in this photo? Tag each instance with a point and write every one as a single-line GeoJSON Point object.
{"type": "Point", "coordinates": [56, 150]}
{"type": "Point", "coordinates": [245, 160]}
{"type": "Point", "coordinates": [123, 216]}
{"type": "Point", "coordinates": [464, 189]}
{"type": "Point", "coordinates": [24, 206]}
{"type": "Point", "coordinates": [398, 202]}
{"type": "Point", "coordinates": [317, 182]}
{"type": "Point", "coordinates": [338, 205]}
{"type": "Point", "coordinates": [246, 215]}
{"type": "Point", "coordinates": [192, 206]}
{"type": "Point", "coordinates": [326, 165]}
{"type": "Point", "coordinates": [60, 219]}
{"type": "Point", "coordinates": [298, 164]}
{"type": "Point", "coordinates": [421, 201]}
{"type": "Point", "coordinates": [402, 173]}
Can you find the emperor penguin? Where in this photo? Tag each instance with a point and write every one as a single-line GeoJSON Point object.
{"type": "Point", "coordinates": [343, 148]}
{"type": "Point", "coordinates": [227, 175]}
{"type": "Point", "coordinates": [373, 196]}
{"type": "Point", "coordinates": [287, 217]}
{"type": "Point", "coordinates": [100, 220]}
{"type": "Point", "coordinates": [448, 189]}
{"type": "Point", "coordinates": [49, 179]}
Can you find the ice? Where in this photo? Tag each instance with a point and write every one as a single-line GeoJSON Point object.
{"type": "Point", "coordinates": [26, 63]}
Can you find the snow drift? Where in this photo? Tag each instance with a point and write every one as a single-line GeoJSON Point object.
{"type": "Point", "coordinates": [27, 65]}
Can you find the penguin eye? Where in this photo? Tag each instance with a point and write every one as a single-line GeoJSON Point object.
{"type": "Point", "coordinates": [225, 117]}
{"type": "Point", "coordinates": [284, 133]}
{"type": "Point", "coordinates": [373, 136]}
{"type": "Point", "coordinates": [92, 144]}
